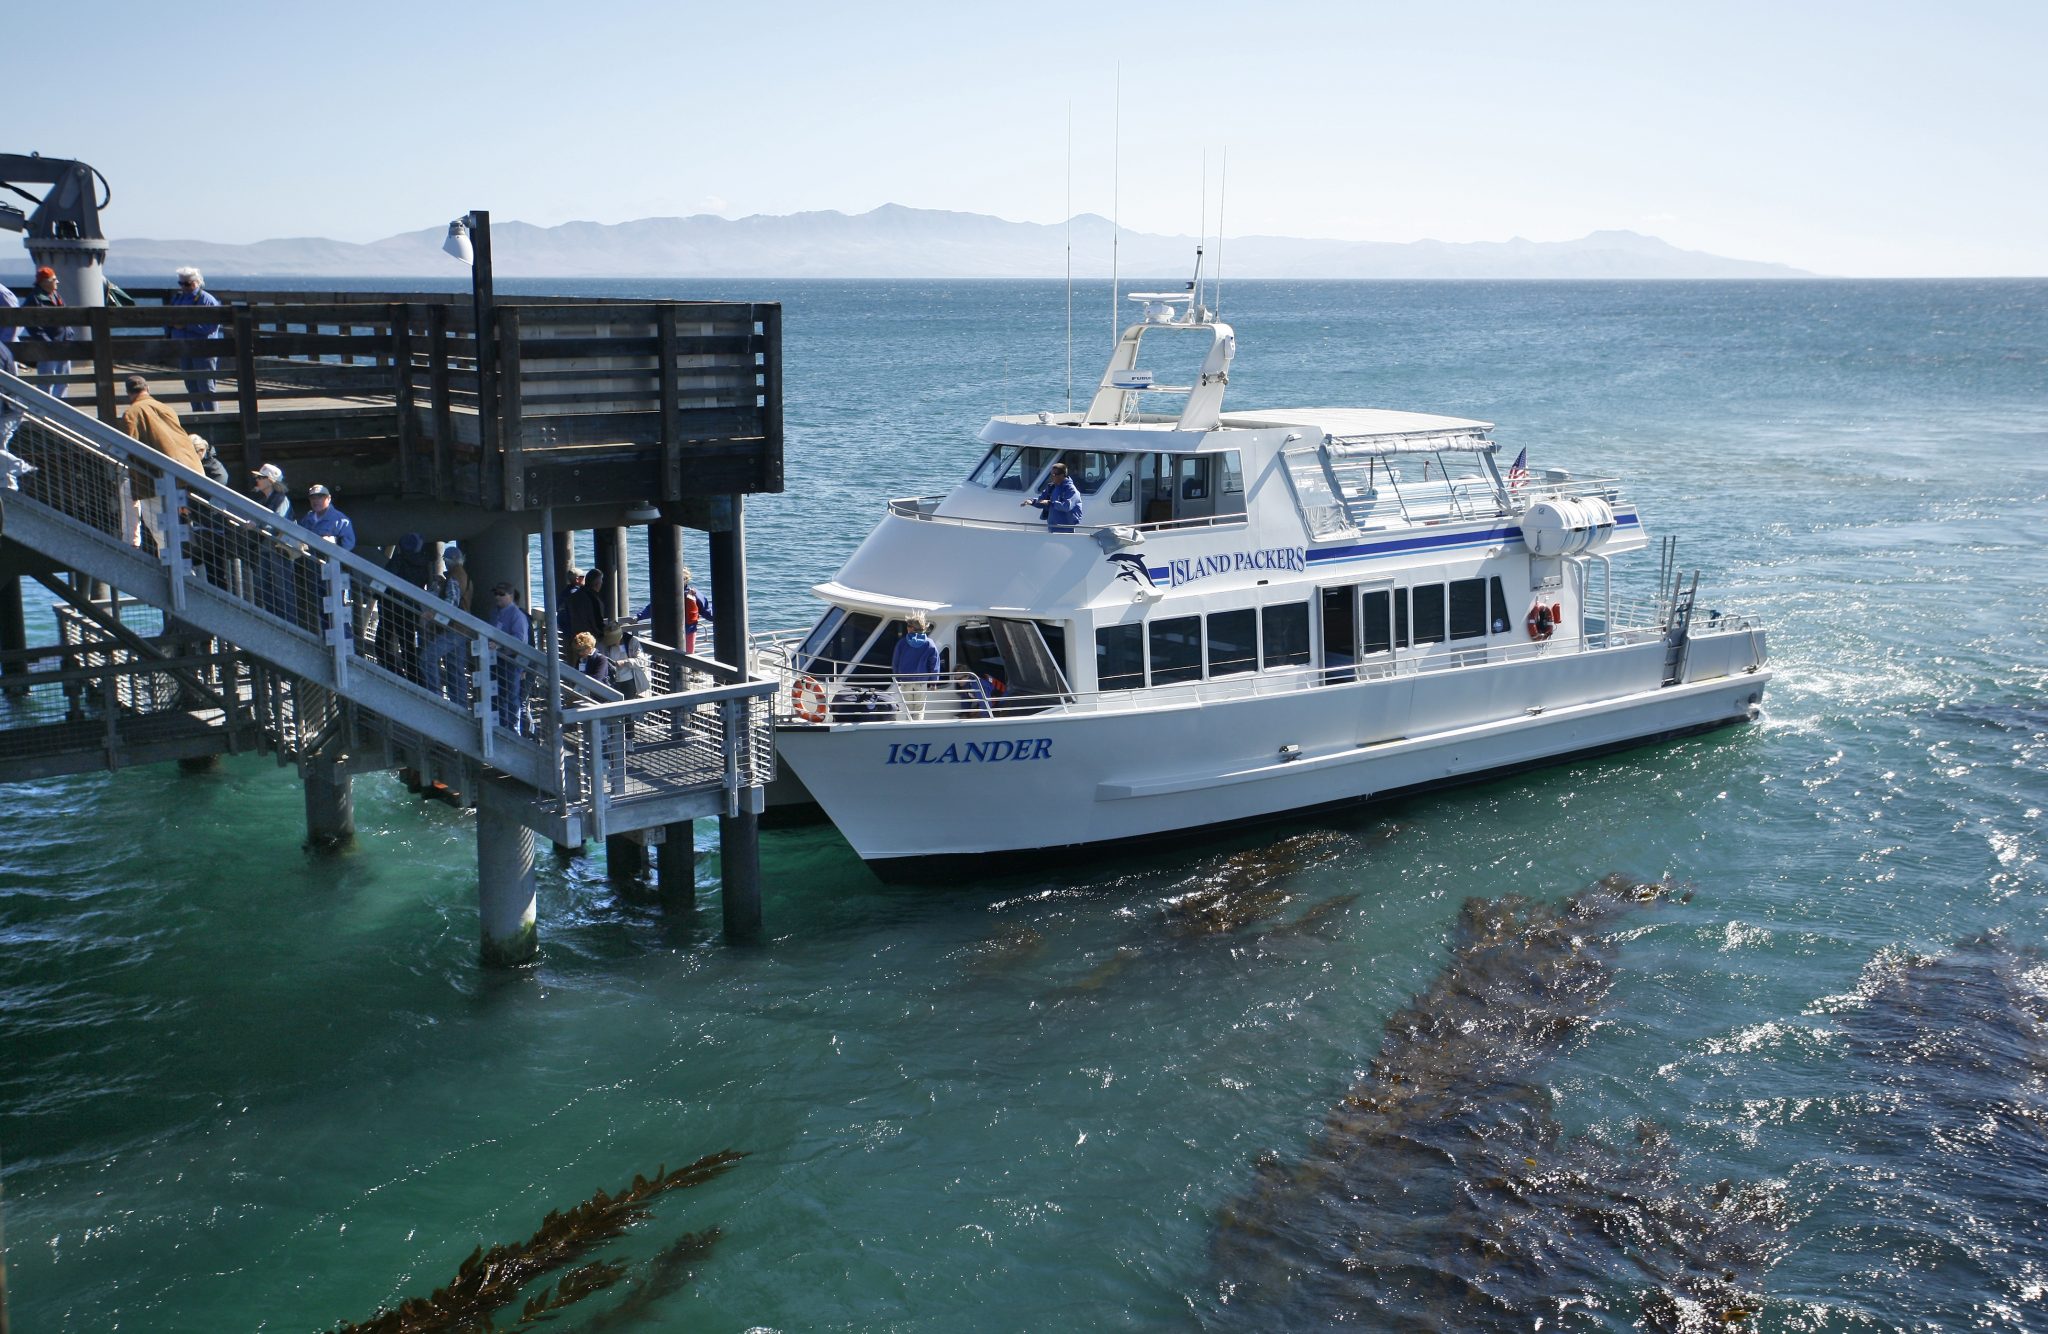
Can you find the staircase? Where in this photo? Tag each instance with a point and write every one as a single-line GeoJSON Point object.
{"type": "Point", "coordinates": [275, 639]}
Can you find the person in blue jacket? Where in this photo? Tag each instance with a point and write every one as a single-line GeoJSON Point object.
{"type": "Point", "coordinates": [508, 681]}
{"type": "Point", "coordinates": [1060, 500]}
{"type": "Point", "coordinates": [916, 663]}
{"type": "Point", "coordinates": [44, 296]}
{"type": "Point", "coordinates": [192, 292]}
{"type": "Point", "coordinates": [323, 520]}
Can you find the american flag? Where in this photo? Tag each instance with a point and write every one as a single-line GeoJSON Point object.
{"type": "Point", "coordinates": [1518, 471]}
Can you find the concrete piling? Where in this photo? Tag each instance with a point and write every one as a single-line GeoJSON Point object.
{"type": "Point", "coordinates": [330, 805]}
{"type": "Point", "coordinates": [675, 869]}
{"type": "Point", "coordinates": [625, 859]}
{"type": "Point", "coordinates": [739, 870]}
{"type": "Point", "coordinates": [505, 889]}
{"type": "Point", "coordinates": [13, 631]}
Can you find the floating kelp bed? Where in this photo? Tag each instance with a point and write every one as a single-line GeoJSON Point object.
{"type": "Point", "coordinates": [1442, 1192]}
{"type": "Point", "coordinates": [491, 1280]}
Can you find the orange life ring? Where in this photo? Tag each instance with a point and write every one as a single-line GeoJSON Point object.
{"type": "Point", "coordinates": [1541, 622]}
{"type": "Point", "coordinates": [807, 699]}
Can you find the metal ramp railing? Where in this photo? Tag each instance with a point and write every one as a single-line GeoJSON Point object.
{"type": "Point", "coordinates": [329, 647]}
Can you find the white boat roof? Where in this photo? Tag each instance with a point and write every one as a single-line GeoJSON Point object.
{"type": "Point", "coordinates": [1354, 422]}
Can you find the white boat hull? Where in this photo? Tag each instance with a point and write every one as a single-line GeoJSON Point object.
{"type": "Point", "coordinates": [904, 791]}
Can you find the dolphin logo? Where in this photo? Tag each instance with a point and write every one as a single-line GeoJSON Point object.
{"type": "Point", "coordinates": [1131, 567]}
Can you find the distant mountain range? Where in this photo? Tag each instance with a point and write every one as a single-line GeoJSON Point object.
{"type": "Point", "coordinates": [897, 242]}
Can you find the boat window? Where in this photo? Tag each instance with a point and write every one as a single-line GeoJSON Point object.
{"type": "Point", "coordinates": [1400, 618]}
{"type": "Point", "coordinates": [1120, 657]}
{"type": "Point", "coordinates": [1123, 488]}
{"type": "Point", "coordinates": [1340, 632]}
{"type": "Point", "coordinates": [839, 648]}
{"type": "Point", "coordinates": [992, 464]}
{"type": "Point", "coordinates": [1429, 614]}
{"type": "Point", "coordinates": [1232, 472]}
{"type": "Point", "coordinates": [1468, 608]}
{"type": "Point", "coordinates": [1376, 634]}
{"type": "Point", "coordinates": [1233, 642]}
{"type": "Point", "coordinates": [1501, 619]}
{"type": "Point", "coordinates": [821, 634]}
{"type": "Point", "coordinates": [1194, 477]}
{"type": "Point", "coordinates": [879, 662]}
{"type": "Point", "coordinates": [1055, 634]}
{"type": "Point", "coordinates": [1089, 468]}
{"type": "Point", "coordinates": [1176, 643]}
{"type": "Point", "coordinates": [1023, 469]}
{"type": "Point", "coordinates": [1285, 636]}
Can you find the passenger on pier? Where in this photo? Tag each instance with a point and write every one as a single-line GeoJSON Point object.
{"type": "Point", "coordinates": [1060, 500]}
{"type": "Point", "coordinates": [323, 520]}
{"type": "Point", "coordinates": [445, 652]}
{"type": "Point", "coordinates": [270, 490]}
{"type": "Point", "coordinates": [154, 424]}
{"type": "Point", "coordinates": [192, 292]}
{"type": "Point", "coordinates": [44, 296]}
{"type": "Point", "coordinates": [915, 663]}
{"type": "Point", "coordinates": [589, 660]}
{"type": "Point", "coordinates": [209, 460]}
{"type": "Point", "coordinates": [585, 610]}
{"type": "Point", "coordinates": [11, 465]}
{"type": "Point", "coordinates": [398, 628]}
{"type": "Point", "coordinates": [696, 608]}
{"type": "Point", "coordinates": [508, 681]}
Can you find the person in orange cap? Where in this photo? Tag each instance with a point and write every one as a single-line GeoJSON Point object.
{"type": "Point", "coordinates": [45, 295]}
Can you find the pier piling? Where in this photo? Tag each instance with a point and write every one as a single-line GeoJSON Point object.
{"type": "Point", "coordinates": [675, 867]}
{"type": "Point", "coordinates": [330, 805]}
{"type": "Point", "coordinates": [625, 859]}
{"type": "Point", "coordinates": [739, 869]}
{"type": "Point", "coordinates": [13, 631]}
{"type": "Point", "coordinates": [505, 888]}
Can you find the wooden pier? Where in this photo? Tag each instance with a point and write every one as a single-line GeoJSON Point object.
{"type": "Point", "coordinates": [466, 418]}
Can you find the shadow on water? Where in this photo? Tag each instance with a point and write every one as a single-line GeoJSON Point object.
{"type": "Point", "coordinates": [1442, 1192]}
{"type": "Point", "coordinates": [490, 1281]}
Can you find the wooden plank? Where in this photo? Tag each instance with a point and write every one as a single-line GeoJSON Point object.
{"type": "Point", "coordinates": [408, 436]}
{"type": "Point", "coordinates": [103, 364]}
{"type": "Point", "coordinates": [245, 385]}
{"type": "Point", "coordinates": [729, 470]}
{"type": "Point", "coordinates": [511, 411]}
{"type": "Point", "coordinates": [444, 415]}
{"type": "Point", "coordinates": [671, 437]}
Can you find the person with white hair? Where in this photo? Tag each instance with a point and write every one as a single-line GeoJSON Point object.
{"type": "Point", "coordinates": [192, 292]}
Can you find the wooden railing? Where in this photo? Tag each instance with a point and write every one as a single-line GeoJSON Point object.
{"type": "Point", "coordinates": [594, 399]}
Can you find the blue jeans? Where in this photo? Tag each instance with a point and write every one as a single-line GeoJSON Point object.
{"type": "Point", "coordinates": [201, 389]}
{"type": "Point", "coordinates": [446, 666]}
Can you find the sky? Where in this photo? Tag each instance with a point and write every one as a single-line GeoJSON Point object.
{"type": "Point", "coordinates": [1869, 139]}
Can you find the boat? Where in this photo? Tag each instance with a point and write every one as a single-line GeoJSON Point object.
{"type": "Point", "coordinates": [1254, 614]}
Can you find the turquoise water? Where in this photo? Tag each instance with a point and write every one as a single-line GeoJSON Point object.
{"type": "Point", "coordinates": [247, 1087]}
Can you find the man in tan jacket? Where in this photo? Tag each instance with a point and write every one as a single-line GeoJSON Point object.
{"type": "Point", "coordinates": [155, 424]}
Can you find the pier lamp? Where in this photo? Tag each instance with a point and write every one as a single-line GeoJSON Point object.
{"type": "Point", "coordinates": [469, 240]}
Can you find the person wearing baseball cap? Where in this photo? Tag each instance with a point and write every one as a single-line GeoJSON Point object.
{"type": "Point", "coordinates": [270, 490]}
{"type": "Point", "coordinates": [45, 297]}
{"type": "Point", "coordinates": [326, 521]}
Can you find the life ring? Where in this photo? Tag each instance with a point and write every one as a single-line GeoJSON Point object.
{"type": "Point", "coordinates": [807, 699]}
{"type": "Point", "coordinates": [1541, 622]}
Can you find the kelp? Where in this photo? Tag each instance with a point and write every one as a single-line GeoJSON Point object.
{"type": "Point", "coordinates": [662, 1277]}
{"type": "Point", "coordinates": [491, 1280]}
{"type": "Point", "coordinates": [1247, 888]}
{"type": "Point", "coordinates": [1442, 1192]}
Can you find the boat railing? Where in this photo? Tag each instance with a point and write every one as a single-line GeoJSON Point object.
{"type": "Point", "coordinates": [853, 692]}
{"type": "Point", "coordinates": [1532, 492]}
{"type": "Point", "coordinates": [924, 509]}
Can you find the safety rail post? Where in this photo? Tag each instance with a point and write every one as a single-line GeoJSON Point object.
{"type": "Point", "coordinates": [173, 554]}
{"type": "Point", "coordinates": [99, 322]}
{"type": "Point", "coordinates": [334, 604]}
{"type": "Point", "coordinates": [595, 767]}
{"type": "Point", "coordinates": [486, 682]}
{"type": "Point", "coordinates": [727, 710]}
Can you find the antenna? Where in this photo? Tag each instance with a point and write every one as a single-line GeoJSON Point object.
{"type": "Point", "coordinates": [1070, 254]}
{"type": "Point", "coordinates": [1116, 199]}
{"type": "Point", "coordinates": [1222, 189]}
{"type": "Point", "coordinates": [1195, 310]}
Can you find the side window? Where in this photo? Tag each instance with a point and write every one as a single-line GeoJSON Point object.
{"type": "Point", "coordinates": [1123, 492]}
{"type": "Point", "coordinates": [1022, 468]}
{"type": "Point", "coordinates": [1194, 477]}
{"type": "Point", "coordinates": [1176, 650]}
{"type": "Point", "coordinates": [1089, 468]}
{"type": "Point", "coordinates": [1232, 473]}
{"type": "Point", "coordinates": [1120, 657]}
{"type": "Point", "coordinates": [1468, 608]}
{"type": "Point", "coordinates": [1055, 635]}
{"type": "Point", "coordinates": [879, 660]}
{"type": "Point", "coordinates": [1429, 614]}
{"type": "Point", "coordinates": [821, 635]}
{"type": "Point", "coordinates": [1400, 618]}
{"type": "Point", "coordinates": [1501, 619]}
{"type": "Point", "coordinates": [1284, 642]}
{"type": "Point", "coordinates": [1376, 634]}
{"type": "Point", "coordinates": [837, 651]}
{"type": "Point", "coordinates": [1233, 642]}
{"type": "Point", "coordinates": [991, 465]}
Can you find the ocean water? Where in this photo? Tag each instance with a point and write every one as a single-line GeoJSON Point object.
{"type": "Point", "coordinates": [1745, 1030]}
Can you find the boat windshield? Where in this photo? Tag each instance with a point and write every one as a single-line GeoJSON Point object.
{"type": "Point", "coordinates": [838, 636]}
{"type": "Point", "coordinates": [1012, 467]}
{"type": "Point", "coordinates": [1089, 468]}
